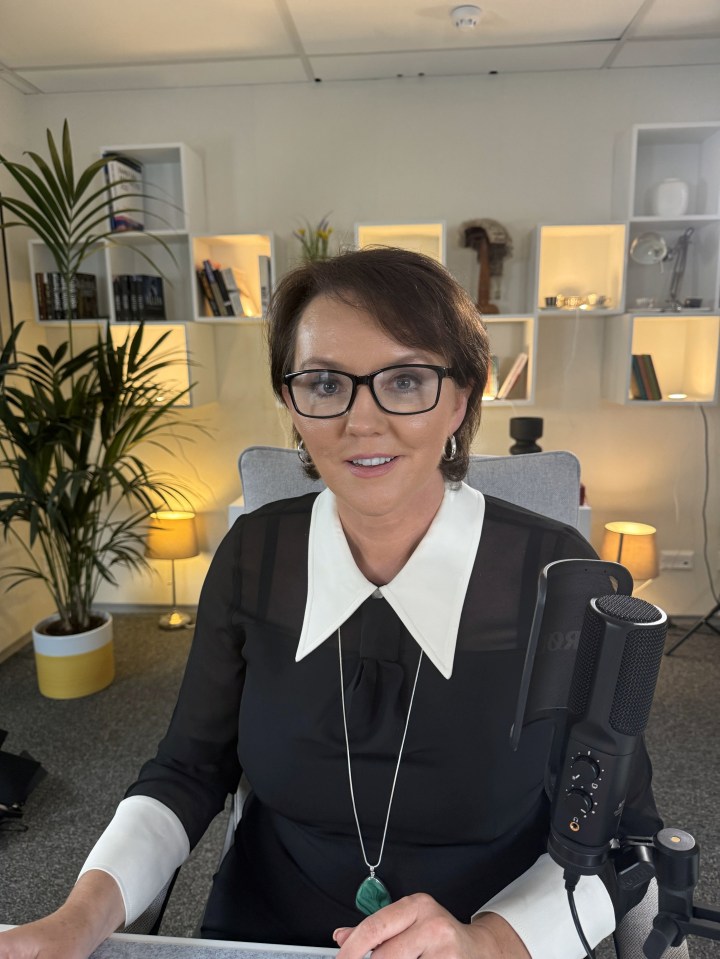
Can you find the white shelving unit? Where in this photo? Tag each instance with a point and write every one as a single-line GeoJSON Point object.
{"type": "Point", "coordinates": [683, 344]}
{"type": "Point", "coordinates": [172, 176]}
{"type": "Point", "coordinates": [421, 237]}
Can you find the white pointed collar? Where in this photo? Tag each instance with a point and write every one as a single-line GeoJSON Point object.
{"type": "Point", "coordinates": [427, 594]}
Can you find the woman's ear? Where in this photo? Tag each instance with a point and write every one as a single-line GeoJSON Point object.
{"type": "Point", "coordinates": [462, 396]}
{"type": "Point", "coordinates": [286, 397]}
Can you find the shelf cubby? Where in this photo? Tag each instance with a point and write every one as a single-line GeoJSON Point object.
{"type": "Point", "coordinates": [578, 260]}
{"type": "Point", "coordinates": [684, 351]}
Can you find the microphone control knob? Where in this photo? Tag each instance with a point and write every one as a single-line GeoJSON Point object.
{"type": "Point", "coordinates": [584, 770]}
{"type": "Point", "coordinates": [578, 802]}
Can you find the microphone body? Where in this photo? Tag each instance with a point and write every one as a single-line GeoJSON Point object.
{"type": "Point", "coordinates": [618, 661]}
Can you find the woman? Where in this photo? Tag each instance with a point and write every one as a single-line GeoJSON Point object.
{"type": "Point", "coordinates": [370, 640]}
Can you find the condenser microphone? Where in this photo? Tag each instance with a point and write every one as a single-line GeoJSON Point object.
{"type": "Point", "coordinates": [613, 684]}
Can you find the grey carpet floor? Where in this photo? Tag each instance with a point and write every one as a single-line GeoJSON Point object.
{"type": "Point", "coordinates": [93, 747]}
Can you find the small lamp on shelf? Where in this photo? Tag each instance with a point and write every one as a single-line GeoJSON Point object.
{"type": "Point", "coordinates": [172, 535]}
{"type": "Point", "coordinates": [632, 545]}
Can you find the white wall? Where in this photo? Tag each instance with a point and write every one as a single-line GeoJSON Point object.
{"type": "Point", "coordinates": [522, 149]}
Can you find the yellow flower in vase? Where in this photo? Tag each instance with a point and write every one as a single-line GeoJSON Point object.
{"type": "Point", "coordinates": [314, 240]}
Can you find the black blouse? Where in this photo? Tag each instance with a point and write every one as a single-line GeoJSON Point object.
{"type": "Point", "coordinates": [469, 815]}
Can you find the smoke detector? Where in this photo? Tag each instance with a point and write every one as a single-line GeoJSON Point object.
{"type": "Point", "coordinates": [466, 17]}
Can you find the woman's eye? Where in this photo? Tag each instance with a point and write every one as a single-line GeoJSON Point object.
{"type": "Point", "coordinates": [327, 386]}
{"type": "Point", "coordinates": [404, 383]}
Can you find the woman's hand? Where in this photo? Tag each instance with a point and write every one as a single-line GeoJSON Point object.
{"type": "Point", "coordinates": [54, 937]}
{"type": "Point", "coordinates": [94, 909]}
{"type": "Point", "coordinates": [417, 926]}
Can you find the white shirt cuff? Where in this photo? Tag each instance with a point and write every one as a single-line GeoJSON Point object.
{"type": "Point", "coordinates": [141, 848]}
{"type": "Point", "coordinates": [536, 906]}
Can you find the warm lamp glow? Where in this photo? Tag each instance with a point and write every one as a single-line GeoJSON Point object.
{"type": "Point", "coordinates": [172, 535]}
{"type": "Point", "coordinates": [632, 545]}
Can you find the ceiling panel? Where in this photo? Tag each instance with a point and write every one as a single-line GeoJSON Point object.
{"type": "Point", "coordinates": [668, 18]}
{"type": "Point", "coordinates": [668, 53]}
{"type": "Point", "coordinates": [78, 32]}
{"type": "Point", "coordinates": [81, 45]}
{"type": "Point", "coordinates": [377, 26]}
{"type": "Point", "coordinates": [571, 56]}
{"type": "Point", "coordinates": [163, 76]}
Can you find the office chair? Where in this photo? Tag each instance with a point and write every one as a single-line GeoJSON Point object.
{"type": "Point", "coordinates": [547, 483]}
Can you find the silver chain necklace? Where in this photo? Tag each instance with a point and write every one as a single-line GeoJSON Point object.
{"type": "Point", "coordinates": [372, 893]}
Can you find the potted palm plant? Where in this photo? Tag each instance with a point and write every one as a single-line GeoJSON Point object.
{"type": "Point", "coordinates": [76, 491]}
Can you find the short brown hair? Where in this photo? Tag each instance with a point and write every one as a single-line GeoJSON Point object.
{"type": "Point", "coordinates": [413, 299]}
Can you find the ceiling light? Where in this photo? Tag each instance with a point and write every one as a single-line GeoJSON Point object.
{"type": "Point", "coordinates": [466, 17]}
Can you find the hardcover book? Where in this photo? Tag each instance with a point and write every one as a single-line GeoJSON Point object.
{"type": "Point", "coordinates": [513, 376]}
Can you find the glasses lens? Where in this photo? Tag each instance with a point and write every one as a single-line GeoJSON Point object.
{"type": "Point", "coordinates": [407, 389]}
{"type": "Point", "coordinates": [321, 392]}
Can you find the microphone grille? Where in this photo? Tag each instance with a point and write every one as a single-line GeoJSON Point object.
{"type": "Point", "coordinates": [637, 678]}
{"type": "Point", "coordinates": [628, 608]}
{"type": "Point", "coordinates": [590, 636]}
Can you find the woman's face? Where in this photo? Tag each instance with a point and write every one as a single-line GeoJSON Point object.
{"type": "Point", "coordinates": [406, 481]}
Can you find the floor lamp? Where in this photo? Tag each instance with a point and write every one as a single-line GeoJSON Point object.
{"type": "Point", "coordinates": [172, 535]}
{"type": "Point", "coordinates": [632, 545]}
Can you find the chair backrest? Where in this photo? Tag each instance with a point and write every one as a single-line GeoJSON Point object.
{"type": "Point", "coordinates": [547, 483]}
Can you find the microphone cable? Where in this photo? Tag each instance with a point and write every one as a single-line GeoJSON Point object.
{"type": "Point", "coordinates": [571, 881]}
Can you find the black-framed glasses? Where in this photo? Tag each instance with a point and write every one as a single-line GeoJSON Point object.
{"type": "Point", "coordinates": [400, 390]}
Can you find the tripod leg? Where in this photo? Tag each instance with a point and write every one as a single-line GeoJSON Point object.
{"type": "Point", "coordinates": [705, 621]}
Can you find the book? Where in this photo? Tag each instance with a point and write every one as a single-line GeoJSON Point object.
{"type": "Point", "coordinates": [512, 376]}
{"type": "Point", "coordinates": [230, 282]}
{"type": "Point", "coordinates": [650, 377]}
{"type": "Point", "coordinates": [152, 297]}
{"type": "Point", "coordinates": [224, 294]}
{"type": "Point", "coordinates": [491, 385]}
{"type": "Point", "coordinates": [124, 176]}
{"type": "Point", "coordinates": [265, 269]}
{"type": "Point", "coordinates": [637, 383]}
{"type": "Point", "coordinates": [215, 293]}
{"type": "Point", "coordinates": [207, 295]}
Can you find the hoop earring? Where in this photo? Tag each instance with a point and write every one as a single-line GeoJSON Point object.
{"type": "Point", "coordinates": [450, 454]}
{"type": "Point", "coordinates": [303, 454]}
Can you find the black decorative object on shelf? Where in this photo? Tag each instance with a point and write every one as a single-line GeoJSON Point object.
{"type": "Point", "coordinates": [525, 430]}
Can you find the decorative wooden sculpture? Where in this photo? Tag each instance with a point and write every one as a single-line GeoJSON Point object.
{"type": "Point", "coordinates": [492, 243]}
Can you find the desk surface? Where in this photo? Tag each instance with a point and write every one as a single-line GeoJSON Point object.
{"type": "Point", "coordinates": [122, 946]}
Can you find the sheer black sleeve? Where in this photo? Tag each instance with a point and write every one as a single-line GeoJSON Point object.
{"type": "Point", "coordinates": [196, 765]}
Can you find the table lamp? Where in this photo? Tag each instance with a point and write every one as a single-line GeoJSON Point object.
{"type": "Point", "coordinates": [172, 535]}
{"type": "Point", "coordinates": [632, 545]}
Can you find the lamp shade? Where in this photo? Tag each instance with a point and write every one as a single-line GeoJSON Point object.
{"type": "Point", "coordinates": [171, 535]}
{"type": "Point", "coordinates": [632, 545]}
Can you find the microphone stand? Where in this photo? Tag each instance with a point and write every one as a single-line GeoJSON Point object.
{"type": "Point", "coordinates": [674, 858]}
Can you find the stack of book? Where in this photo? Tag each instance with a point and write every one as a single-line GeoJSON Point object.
{"type": "Point", "coordinates": [225, 291]}
{"type": "Point", "coordinates": [124, 176]}
{"type": "Point", "coordinates": [52, 297]}
{"type": "Point", "coordinates": [138, 298]}
{"type": "Point", "coordinates": [643, 379]}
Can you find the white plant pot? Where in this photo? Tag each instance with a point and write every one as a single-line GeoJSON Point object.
{"type": "Point", "coordinates": [69, 667]}
{"type": "Point", "coordinates": [670, 198]}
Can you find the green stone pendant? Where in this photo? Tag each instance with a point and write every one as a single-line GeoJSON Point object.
{"type": "Point", "coordinates": [371, 896]}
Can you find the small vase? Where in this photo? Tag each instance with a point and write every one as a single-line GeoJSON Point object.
{"type": "Point", "coordinates": [670, 198]}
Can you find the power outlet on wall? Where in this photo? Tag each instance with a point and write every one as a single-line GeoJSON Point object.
{"type": "Point", "coordinates": [677, 559]}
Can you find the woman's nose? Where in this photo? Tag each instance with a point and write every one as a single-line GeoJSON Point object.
{"type": "Point", "coordinates": [365, 416]}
